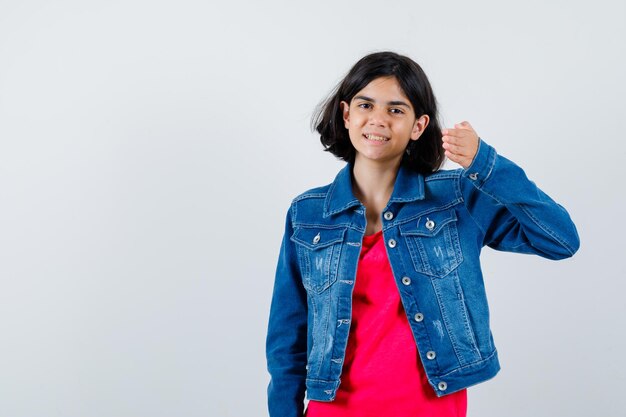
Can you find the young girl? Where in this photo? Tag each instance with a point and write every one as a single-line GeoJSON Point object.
{"type": "Point", "coordinates": [379, 306]}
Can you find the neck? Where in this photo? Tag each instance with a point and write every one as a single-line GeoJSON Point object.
{"type": "Point", "coordinates": [373, 182]}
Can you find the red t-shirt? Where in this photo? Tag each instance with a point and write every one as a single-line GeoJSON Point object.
{"type": "Point", "coordinates": [382, 374]}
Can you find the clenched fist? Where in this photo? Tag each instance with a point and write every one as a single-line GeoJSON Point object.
{"type": "Point", "coordinates": [460, 143]}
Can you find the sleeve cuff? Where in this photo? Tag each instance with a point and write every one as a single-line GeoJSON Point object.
{"type": "Point", "coordinates": [481, 167]}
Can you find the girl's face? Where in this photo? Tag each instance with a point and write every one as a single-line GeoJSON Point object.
{"type": "Point", "coordinates": [381, 121]}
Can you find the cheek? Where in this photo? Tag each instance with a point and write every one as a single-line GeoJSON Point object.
{"type": "Point", "coordinates": [354, 136]}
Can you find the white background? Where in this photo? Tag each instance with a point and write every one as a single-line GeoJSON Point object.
{"type": "Point", "coordinates": [149, 151]}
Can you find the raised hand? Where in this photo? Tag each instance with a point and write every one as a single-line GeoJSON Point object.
{"type": "Point", "coordinates": [460, 143]}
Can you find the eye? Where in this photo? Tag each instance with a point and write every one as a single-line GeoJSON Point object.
{"type": "Point", "coordinates": [396, 111]}
{"type": "Point", "coordinates": [364, 104]}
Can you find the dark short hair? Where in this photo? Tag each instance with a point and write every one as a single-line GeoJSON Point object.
{"type": "Point", "coordinates": [424, 155]}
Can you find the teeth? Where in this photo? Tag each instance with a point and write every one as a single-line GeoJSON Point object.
{"type": "Point", "coordinates": [377, 138]}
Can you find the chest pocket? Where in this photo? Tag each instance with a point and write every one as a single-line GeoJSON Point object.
{"type": "Point", "coordinates": [433, 243]}
{"type": "Point", "coordinates": [318, 255]}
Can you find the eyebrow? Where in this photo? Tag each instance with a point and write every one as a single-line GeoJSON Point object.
{"type": "Point", "coordinates": [389, 103]}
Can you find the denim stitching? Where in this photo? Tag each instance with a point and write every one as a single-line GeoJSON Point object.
{"type": "Point", "coordinates": [340, 209]}
{"type": "Point", "coordinates": [456, 244]}
{"type": "Point", "coordinates": [453, 255]}
{"type": "Point", "coordinates": [304, 196]}
{"type": "Point", "coordinates": [458, 183]}
{"type": "Point", "coordinates": [325, 340]}
{"type": "Point", "coordinates": [313, 328]}
{"type": "Point", "coordinates": [545, 228]}
{"type": "Point", "coordinates": [443, 175]}
{"type": "Point", "coordinates": [326, 381]}
{"type": "Point", "coordinates": [469, 365]}
{"type": "Point", "coordinates": [305, 267]}
{"type": "Point", "coordinates": [328, 196]}
{"type": "Point", "coordinates": [468, 328]}
{"type": "Point", "coordinates": [426, 266]}
{"type": "Point", "coordinates": [349, 301]}
{"type": "Point", "coordinates": [294, 212]}
{"type": "Point", "coordinates": [446, 320]}
{"type": "Point", "coordinates": [323, 226]}
{"type": "Point", "coordinates": [492, 163]}
{"type": "Point", "coordinates": [334, 263]}
{"type": "Point", "coordinates": [425, 334]}
{"type": "Point", "coordinates": [557, 238]}
{"type": "Point", "coordinates": [428, 211]}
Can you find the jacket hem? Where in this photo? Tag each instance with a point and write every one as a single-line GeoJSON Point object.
{"type": "Point", "coordinates": [466, 376]}
{"type": "Point", "coordinates": [456, 380]}
{"type": "Point", "coordinates": [321, 390]}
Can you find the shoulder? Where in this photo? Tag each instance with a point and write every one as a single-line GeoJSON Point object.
{"type": "Point", "coordinates": [309, 204]}
{"type": "Point", "coordinates": [444, 179]}
{"type": "Point", "coordinates": [450, 175]}
{"type": "Point", "coordinates": [443, 187]}
{"type": "Point", "coordinates": [313, 193]}
{"type": "Point", "coordinates": [319, 204]}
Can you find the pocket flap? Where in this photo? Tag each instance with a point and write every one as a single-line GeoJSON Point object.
{"type": "Point", "coordinates": [429, 224]}
{"type": "Point", "coordinates": [315, 238]}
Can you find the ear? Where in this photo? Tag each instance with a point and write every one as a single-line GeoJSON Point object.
{"type": "Point", "coordinates": [419, 126]}
{"type": "Point", "coordinates": [345, 112]}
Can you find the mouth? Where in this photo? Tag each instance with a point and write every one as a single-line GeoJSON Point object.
{"type": "Point", "coordinates": [376, 138]}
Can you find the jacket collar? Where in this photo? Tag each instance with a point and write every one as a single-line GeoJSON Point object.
{"type": "Point", "coordinates": [409, 186]}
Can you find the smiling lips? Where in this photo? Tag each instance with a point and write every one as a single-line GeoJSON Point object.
{"type": "Point", "coordinates": [376, 138]}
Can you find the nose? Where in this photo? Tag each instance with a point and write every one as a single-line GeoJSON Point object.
{"type": "Point", "coordinates": [378, 117]}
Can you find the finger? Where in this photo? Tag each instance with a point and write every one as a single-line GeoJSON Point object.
{"type": "Point", "coordinates": [451, 148]}
{"type": "Point", "coordinates": [459, 160]}
{"type": "Point", "coordinates": [454, 132]}
{"type": "Point", "coordinates": [453, 157]}
{"type": "Point", "coordinates": [456, 140]}
{"type": "Point", "coordinates": [456, 149]}
{"type": "Point", "coordinates": [452, 139]}
{"type": "Point", "coordinates": [463, 125]}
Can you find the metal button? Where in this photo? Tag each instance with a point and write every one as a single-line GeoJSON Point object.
{"type": "Point", "coordinates": [431, 354]}
{"type": "Point", "coordinates": [442, 386]}
{"type": "Point", "coordinates": [430, 225]}
{"type": "Point", "coordinates": [388, 215]}
{"type": "Point", "coordinates": [473, 175]}
{"type": "Point", "coordinates": [392, 243]}
{"type": "Point", "coordinates": [418, 317]}
{"type": "Point", "coordinates": [316, 238]}
{"type": "Point", "coordinates": [406, 280]}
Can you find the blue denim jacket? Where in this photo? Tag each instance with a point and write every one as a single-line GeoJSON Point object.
{"type": "Point", "coordinates": [434, 228]}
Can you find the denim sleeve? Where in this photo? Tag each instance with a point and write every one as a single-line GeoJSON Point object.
{"type": "Point", "coordinates": [513, 214]}
{"type": "Point", "coordinates": [286, 343]}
